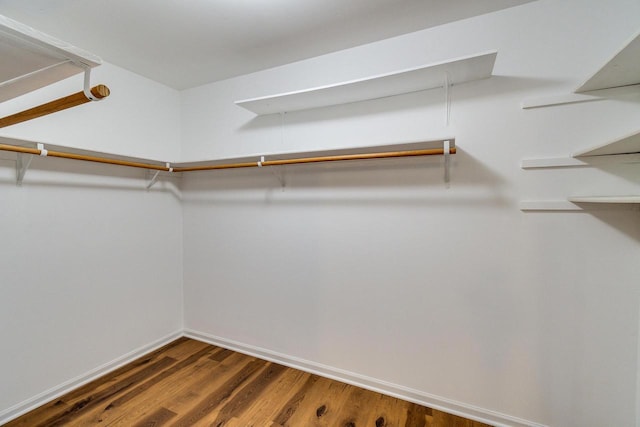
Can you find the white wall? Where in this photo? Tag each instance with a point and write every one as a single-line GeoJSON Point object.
{"type": "Point", "coordinates": [90, 262]}
{"type": "Point", "coordinates": [379, 270]}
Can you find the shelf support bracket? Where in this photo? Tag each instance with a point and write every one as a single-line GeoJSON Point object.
{"type": "Point", "coordinates": [447, 97]}
{"type": "Point", "coordinates": [153, 180]}
{"type": "Point", "coordinates": [279, 177]}
{"type": "Point", "coordinates": [22, 164]}
{"type": "Point", "coordinates": [156, 175]}
{"type": "Point", "coordinates": [447, 161]}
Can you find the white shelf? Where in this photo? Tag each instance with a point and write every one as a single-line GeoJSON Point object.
{"type": "Point", "coordinates": [31, 59]}
{"type": "Point", "coordinates": [622, 70]}
{"type": "Point", "coordinates": [79, 151]}
{"type": "Point", "coordinates": [431, 76]}
{"type": "Point", "coordinates": [548, 205]}
{"type": "Point", "coordinates": [605, 199]}
{"type": "Point", "coordinates": [627, 145]}
{"type": "Point", "coordinates": [418, 145]}
{"type": "Point", "coordinates": [572, 204]}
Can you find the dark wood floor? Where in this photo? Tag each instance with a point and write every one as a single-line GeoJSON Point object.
{"type": "Point", "coordinates": [189, 383]}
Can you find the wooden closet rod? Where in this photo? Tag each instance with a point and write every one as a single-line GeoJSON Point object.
{"type": "Point", "coordinates": [364, 156]}
{"type": "Point", "coordinates": [99, 91]}
{"type": "Point", "coordinates": [96, 159]}
{"type": "Point", "coordinates": [383, 155]}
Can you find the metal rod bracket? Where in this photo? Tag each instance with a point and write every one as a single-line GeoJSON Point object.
{"type": "Point", "coordinates": [447, 97]}
{"type": "Point", "coordinates": [22, 164]}
{"type": "Point", "coordinates": [447, 162]}
{"type": "Point", "coordinates": [153, 179]}
{"type": "Point", "coordinates": [156, 175]}
{"type": "Point", "coordinates": [279, 176]}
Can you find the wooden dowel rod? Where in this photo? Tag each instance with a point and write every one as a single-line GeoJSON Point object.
{"type": "Point", "coordinates": [366, 156]}
{"type": "Point", "coordinates": [99, 91]}
{"type": "Point", "coordinates": [105, 160]}
{"type": "Point", "coordinates": [86, 158]}
{"type": "Point", "coordinates": [18, 149]}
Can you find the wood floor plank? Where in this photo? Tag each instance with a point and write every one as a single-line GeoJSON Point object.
{"type": "Point", "coordinates": [134, 379]}
{"type": "Point", "coordinates": [292, 404]}
{"type": "Point", "coordinates": [190, 383]}
{"type": "Point", "coordinates": [321, 404]}
{"type": "Point", "coordinates": [157, 418]}
{"type": "Point", "coordinates": [127, 407]}
{"type": "Point", "coordinates": [40, 415]}
{"type": "Point", "coordinates": [214, 399]}
{"type": "Point", "coordinates": [418, 416]}
{"type": "Point", "coordinates": [92, 400]}
{"type": "Point", "coordinates": [387, 411]}
{"type": "Point", "coordinates": [249, 393]}
{"type": "Point", "coordinates": [185, 399]}
{"type": "Point", "coordinates": [178, 387]}
{"type": "Point", "coordinates": [274, 397]}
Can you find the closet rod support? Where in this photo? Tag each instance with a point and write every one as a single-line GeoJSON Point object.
{"type": "Point", "coordinates": [279, 176]}
{"type": "Point", "coordinates": [23, 162]}
{"type": "Point", "coordinates": [153, 180]}
{"type": "Point", "coordinates": [156, 175]}
{"type": "Point", "coordinates": [447, 161]}
{"type": "Point", "coordinates": [89, 91]}
{"type": "Point", "coordinates": [447, 97]}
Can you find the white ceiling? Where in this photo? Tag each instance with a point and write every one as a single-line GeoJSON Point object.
{"type": "Point", "coordinates": [186, 43]}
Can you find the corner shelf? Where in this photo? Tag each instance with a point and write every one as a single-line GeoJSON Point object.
{"type": "Point", "coordinates": [605, 199]}
{"type": "Point", "coordinates": [430, 76]}
{"type": "Point", "coordinates": [621, 150]}
{"type": "Point", "coordinates": [626, 145]}
{"type": "Point", "coordinates": [621, 70]}
{"type": "Point", "coordinates": [26, 150]}
{"type": "Point", "coordinates": [32, 60]}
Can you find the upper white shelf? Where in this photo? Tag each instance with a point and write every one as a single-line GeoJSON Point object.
{"type": "Point", "coordinates": [31, 59]}
{"type": "Point", "coordinates": [412, 80]}
{"type": "Point", "coordinates": [605, 199]}
{"type": "Point", "coordinates": [627, 145]}
{"type": "Point", "coordinates": [622, 70]}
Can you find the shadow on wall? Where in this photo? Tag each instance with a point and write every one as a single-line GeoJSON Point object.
{"type": "Point", "coordinates": [622, 217]}
{"type": "Point", "coordinates": [63, 173]}
{"type": "Point", "coordinates": [415, 181]}
{"type": "Point", "coordinates": [628, 171]}
{"type": "Point", "coordinates": [432, 98]}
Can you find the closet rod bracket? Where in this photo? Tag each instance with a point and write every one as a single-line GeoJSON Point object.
{"type": "Point", "coordinates": [23, 162]}
{"type": "Point", "coordinates": [87, 86]}
{"type": "Point", "coordinates": [446, 150]}
{"type": "Point", "coordinates": [156, 175]}
{"type": "Point", "coordinates": [153, 179]}
{"type": "Point", "coordinates": [280, 176]}
{"type": "Point", "coordinates": [447, 98]}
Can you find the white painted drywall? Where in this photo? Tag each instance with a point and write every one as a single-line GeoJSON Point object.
{"type": "Point", "coordinates": [379, 270]}
{"type": "Point", "coordinates": [91, 262]}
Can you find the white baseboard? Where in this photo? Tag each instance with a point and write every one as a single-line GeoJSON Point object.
{"type": "Point", "coordinates": [446, 405]}
{"type": "Point", "coordinates": [416, 396]}
{"type": "Point", "coordinates": [57, 391]}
